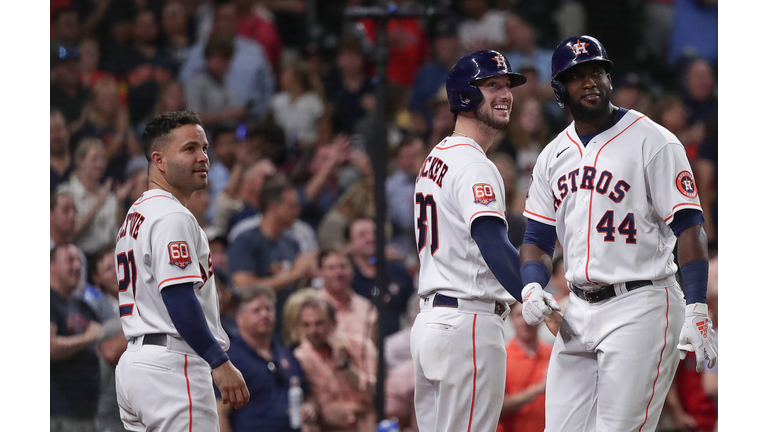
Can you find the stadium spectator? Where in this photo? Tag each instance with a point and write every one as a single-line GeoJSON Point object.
{"type": "Point", "coordinates": [68, 95]}
{"type": "Point", "coordinates": [63, 217]}
{"type": "Point", "coordinates": [299, 108]}
{"type": "Point", "coordinates": [170, 98]}
{"type": "Point", "coordinates": [399, 393]}
{"type": "Point", "coordinates": [102, 295]}
{"type": "Point", "coordinates": [208, 94]}
{"type": "Point", "coordinates": [355, 315]}
{"type": "Point", "coordinates": [630, 91]}
{"type": "Point", "coordinates": [319, 193]}
{"type": "Point", "coordinates": [442, 118]}
{"type": "Point", "coordinates": [107, 119]}
{"type": "Point", "coordinates": [362, 248]}
{"type": "Point", "coordinates": [350, 92]}
{"type": "Point", "coordinates": [340, 368]}
{"type": "Point", "coordinates": [225, 149]}
{"type": "Point", "coordinates": [240, 197]}
{"type": "Point", "coordinates": [406, 41]}
{"type": "Point", "coordinates": [706, 174]}
{"type": "Point", "coordinates": [694, 32]}
{"type": "Point", "coordinates": [142, 65]}
{"type": "Point", "coordinates": [515, 202]}
{"type": "Point", "coordinates": [397, 346]}
{"type": "Point", "coordinates": [483, 28]}
{"type": "Point", "coordinates": [431, 77]}
{"type": "Point", "coordinates": [65, 28]}
{"type": "Point", "coordinates": [74, 364]}
{"type": "Point", "coordinates": [267, 367]}
{"type": "Point", "coordinates": [253, 25]}
{"type": "Point", "coordinates": [90, 71]}
{"type": "Point", "coordinates": [62, 163]}
{"type": "Point", "coordinates": [198, 205]}
{"type": "Point", "coordinates": [527, 361]}
{"type": "Point", "coordinates": [99, 209]}
{"type": "Point", "coordinates": [399, 189]}
{"type": "Point", "coordinates": [523, 49]}
{"type": "Point", "coordinates": [136, 179]}
{"type": "Point", "coordinates": [670, 112]}
{"type": "Point", "coordinates": [177, 30]}
{"type": "Point", "coordinates": [290, 333]}
{"type": "Point", "coordinates": [700, 98]}
{"type": "Point", "coordinates": [267, 255]}
{"type": "Point", "coordinates": [357, 202]}
{"type": "Point", "coordinates": [529, 135]}
{"type": "Point", "coordinates": [249, 78]}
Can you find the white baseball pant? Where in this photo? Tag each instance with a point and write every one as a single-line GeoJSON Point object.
{"type": "Point", "coordinates": [613, 362]}
{"type": "Point", "coordinates": [460, 367]}
{"type": "Point", "coordinates": [165, 389]}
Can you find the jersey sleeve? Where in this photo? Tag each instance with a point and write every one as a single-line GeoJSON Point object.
{"type": "Point", "coordinates": [174, 257]}
{"type": "Point", "coordinates": [539, 202]}
{"type": "Point", "coordinates": [478, 191]}
{"type": "Point", "coordinates": [670, 182]}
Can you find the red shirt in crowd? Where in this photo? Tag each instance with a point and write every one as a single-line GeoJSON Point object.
{"type": "Point", "coordinates": [522, 372]}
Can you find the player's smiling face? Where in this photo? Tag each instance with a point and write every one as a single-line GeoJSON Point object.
{"type": "Point", "coordinates": [497, 101]}
{"type": "Point", "coordinates": [186, 156]}
{"type": "Point", "coordinates": [589, 89]}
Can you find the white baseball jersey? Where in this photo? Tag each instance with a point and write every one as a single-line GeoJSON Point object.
{"type": "Point", "coordinates": [612, 201]}
{"type": "Point", "coordinates": [457, 183]}
{"type": "Point", "coordinates": [161, 244]}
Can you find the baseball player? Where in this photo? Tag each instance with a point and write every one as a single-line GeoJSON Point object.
{"type": "Point", "coordinates": [168, 302]}
{"type": "Point", "coordinates": [469, 270]}
{"type": "Point", "coordinates": [616, 189]}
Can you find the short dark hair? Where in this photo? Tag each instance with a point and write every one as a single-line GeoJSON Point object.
{"type": "Point", "coordinates": [221, 46]}
{"type": "Point", "coordinates": [162, 125]}
{"type": "Point", "coordinates": [331, 250]}
{"type": "Point", "coordinates": [348, 229]}
{"type": "Point", "coordinates": [58, 246]}
{"type": "Point", "coordinates": [222, 130]}
{"type": "Point", "coordinates": [250, 293]}
{"type": "Point", "coordinates": [272, 193]}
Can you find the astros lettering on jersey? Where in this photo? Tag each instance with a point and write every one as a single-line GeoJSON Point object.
{"type": "Point", "coordinates": [612, 201]}
{"type": "Point", "coordinates": [159, 245]}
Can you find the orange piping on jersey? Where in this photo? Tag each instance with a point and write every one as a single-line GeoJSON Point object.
{"type": "Point", "coordinates": [457, 145]}
{"type": "Point", "coordinates": [658, 367]}
{"type": "Point", "coordinates": [180, 277]}
{"type": "Point", "coordinates": [592, 194]}
{"type": "Point", "coordinates": [149, 198]}
{"type": "Point", "coordinates": [486, 211]}
{"type": "Point", "coordinates": [681, 204]}
{"type": "Point", "coordinates": [474, 377]}
{"type": "Point", "coordinates": [538, 215]}
{"type": "Point", "coordinates": [578, 146]}
{"type": "Point", "coordinates": [189, 393]}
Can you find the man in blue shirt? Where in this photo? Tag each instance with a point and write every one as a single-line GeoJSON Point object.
{"type": "Point", "coordinates": [267, 367]}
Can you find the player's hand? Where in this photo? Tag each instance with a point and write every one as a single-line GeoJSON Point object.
{"type": "Point", "coordinates": [553, 321]}
{"type": "Point", "coordinates": [697, 336]}
{"type": "Point", "coordinates": [231, 384]}
{"type": "Point", "coordinates": [537, 303]}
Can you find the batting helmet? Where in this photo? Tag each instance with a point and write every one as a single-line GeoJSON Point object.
{"type": "Point", "coordinates": [573, 51]}
{"type": "Point", "coordinates": [463, 95]}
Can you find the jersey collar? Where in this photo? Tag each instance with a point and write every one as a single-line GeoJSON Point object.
{"type": "Point", "coordinates": [156, 192]}
{"type": "Point", "coordinates": [452, 141]}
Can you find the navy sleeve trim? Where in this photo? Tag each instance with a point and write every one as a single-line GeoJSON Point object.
{"type": "Point", "coordinates": [490, 234]}
{"type": "Point", "coordinates": [188, 318]}
{"type": "Point", "coordinates": [542, 235]}
{"type": "Point", "coordinates": [685, 219]}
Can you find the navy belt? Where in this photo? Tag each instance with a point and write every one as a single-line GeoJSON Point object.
{"type": "Point", "coordinates": [160, 339]}
{"type": "Point", "coordinates": [452, 302]}
{"type": "Point", "coordinates": [606, 292]}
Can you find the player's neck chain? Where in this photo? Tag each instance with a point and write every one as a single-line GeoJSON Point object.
{"type": "Point", "coordinates": [459, 133]}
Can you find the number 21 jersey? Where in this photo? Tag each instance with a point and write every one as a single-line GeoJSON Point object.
{"type": "Point", "coordinates": [161, 244]}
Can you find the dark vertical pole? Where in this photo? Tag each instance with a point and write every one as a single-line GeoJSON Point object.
{"type": "Point", "coordinates": [380, 170]}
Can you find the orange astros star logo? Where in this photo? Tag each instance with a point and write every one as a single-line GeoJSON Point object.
{"type": "Point", "coordinates": [579, 47]}
{"type": "Point", "coordinates": [499, 61]}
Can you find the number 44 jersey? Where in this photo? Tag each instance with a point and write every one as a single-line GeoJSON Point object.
{"type": "Point", "coordinates": [457, 184]}
{"type": "Point", "coordinates": [612, 200]}
{"type": "Point", "coordinates": [160, 244]}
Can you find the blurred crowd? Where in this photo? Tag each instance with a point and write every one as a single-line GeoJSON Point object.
{"type": "Point", "coordinates": [286, 90]}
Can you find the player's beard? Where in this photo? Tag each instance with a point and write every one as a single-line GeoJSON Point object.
{"type": "Point", "coordinates": [584, 113]}
{"type": "Point", "coordinates": [484, 115]}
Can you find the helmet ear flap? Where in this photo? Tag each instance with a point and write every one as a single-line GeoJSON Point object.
{"type": "Point", "coordinates": [560, 92]}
